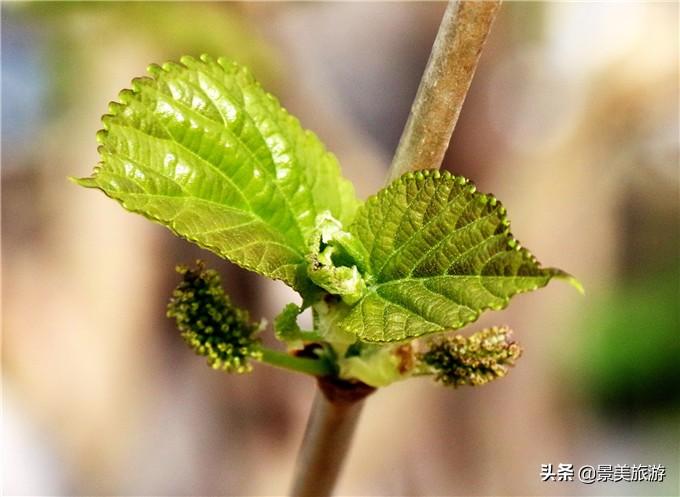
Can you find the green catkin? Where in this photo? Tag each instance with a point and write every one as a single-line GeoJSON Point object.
{"type": "Point", "coordinates": [210, 324]}
{"type": "Point", "coordinates": [484, 356]}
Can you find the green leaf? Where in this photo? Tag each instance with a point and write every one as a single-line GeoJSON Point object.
{"type": "Point", "coordinates": [439, 254]}
{"type": "Point", "coordinates": [333, 253]}
{"type": "Point", "coordinates": [201, 148]}
{"type": "Point", "coordinates": [288, 330]}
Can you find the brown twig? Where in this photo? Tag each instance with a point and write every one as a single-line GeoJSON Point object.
{"type": "Point", "coordinates": [444, 85]}
{"type": "Point", "coordinates": [335, 412]}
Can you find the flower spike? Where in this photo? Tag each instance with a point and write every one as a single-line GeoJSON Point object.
{"type": "Point", "coordinates": [210, 324]}
{"type": "Point", "coordinates": [475, 360]}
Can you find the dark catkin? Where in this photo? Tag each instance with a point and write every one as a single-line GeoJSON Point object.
{"type": "Point", "coordinates": [210, 324]}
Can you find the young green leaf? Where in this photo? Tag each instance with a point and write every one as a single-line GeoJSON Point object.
{"type": "Point", "coordinates": [439, 254]}
{"type": "Point", "coordinates": [201, 148]}
{"type": "Point", "coordinates": [288, 330]}
{"type": "Point", "coordinates": [329, 248]}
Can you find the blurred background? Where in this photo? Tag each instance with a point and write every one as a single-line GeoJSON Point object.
{"type": "Point", "coordinates": [572, 121]}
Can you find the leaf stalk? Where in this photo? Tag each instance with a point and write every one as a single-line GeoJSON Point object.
{"type": "Point", "coordinates": [314, 367]}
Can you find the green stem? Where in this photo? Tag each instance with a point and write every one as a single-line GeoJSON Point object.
{"type": "Point", "coordinates": [314, 367]}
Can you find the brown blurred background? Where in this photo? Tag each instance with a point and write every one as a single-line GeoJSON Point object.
{"type": "Point", "coordinates": [572, 121]}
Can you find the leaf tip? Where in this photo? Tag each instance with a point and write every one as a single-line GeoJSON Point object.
{"type": "Point", "coordinates": [573, 281]}
{"type": "Point", "coordinates": [89, 182]}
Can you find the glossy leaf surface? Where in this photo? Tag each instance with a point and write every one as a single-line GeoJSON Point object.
{"type": "Point", "coordinates": [201, 148]}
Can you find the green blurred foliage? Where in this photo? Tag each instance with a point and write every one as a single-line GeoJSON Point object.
{"type": "Point", "coordinates": [630, 346]}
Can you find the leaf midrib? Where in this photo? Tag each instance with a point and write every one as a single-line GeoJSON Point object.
{"type": "Point", "coordinates": [191, 196]}
{"type": "Point", "coordinates": [185, 199]}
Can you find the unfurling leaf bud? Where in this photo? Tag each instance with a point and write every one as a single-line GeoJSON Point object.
{"type": "Point", "coordinates": [210, 324]}
{"type": "Point", "coordinates": [475, 360]}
